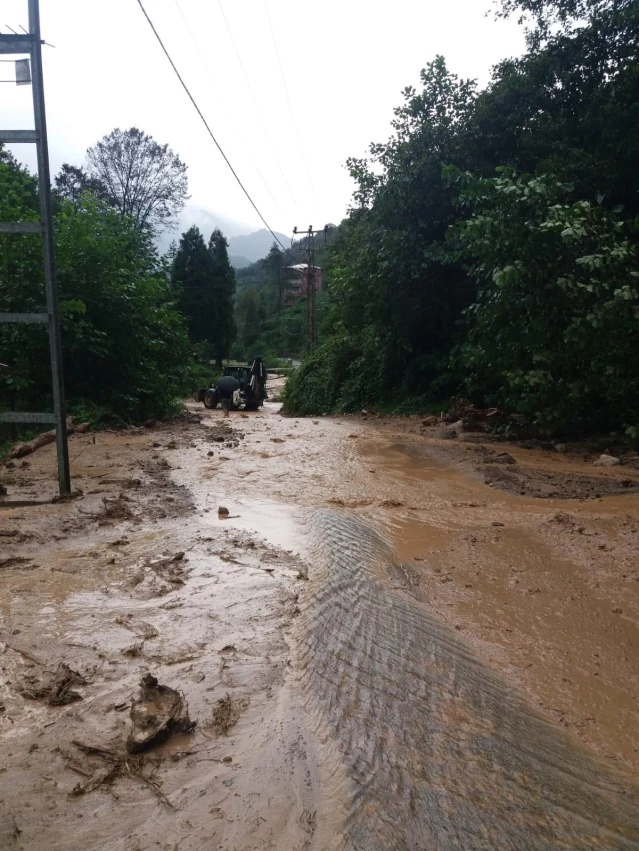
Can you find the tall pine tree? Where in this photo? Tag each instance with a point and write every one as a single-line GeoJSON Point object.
{"type": "Point", "coordinates": [224, 285]}
{"type": "Point", "coordinates": [193, 272]}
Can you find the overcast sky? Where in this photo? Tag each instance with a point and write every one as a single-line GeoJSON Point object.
{"type": "Point", "coordinates": [345, 63]}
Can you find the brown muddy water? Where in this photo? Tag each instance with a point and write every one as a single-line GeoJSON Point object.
{"type": "Point", "coordinates": [399, 673]}
{"type": "Point", "coordinates": [441, 753]}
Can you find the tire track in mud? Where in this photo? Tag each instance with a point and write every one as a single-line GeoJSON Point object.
{"type": "Point", "coordinates": [440, 753]}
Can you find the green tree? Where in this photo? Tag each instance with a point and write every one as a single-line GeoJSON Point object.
{"type": "Point", "coordinates": [552, 333]}
{"type": "Point", "coordinates": [570, 109]}
{"type": "Point", "coordinates": [567, 15]}
{"type": "Point", "coordinates": [250, 318]}
{"type": "Point", "coordinates": [223, 278]}
{"type": "Point", "coordinates": [144, 179]}
{"type": "Point", "coordinates": [125, 346]}
{"type": "Point", "coordinates": [566, 116]}
{"type": "Point", "coordinates": [71, 182]}
{"type": "Point", "coordinates": [192, 273]}
{"type": "Point", "coordinates": [395, 297]}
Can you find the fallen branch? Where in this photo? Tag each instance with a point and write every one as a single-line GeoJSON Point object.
{"type": "Point", "coordinates": [136, 774]}
{"type": "Point", "coordinates": [118, 764]}
{"type": "Point", "coordinates": [24, 653]}
{"type": "Point", "coordinates": [95, 750]}
{"type": "Point", "coordinates": [22, 449]}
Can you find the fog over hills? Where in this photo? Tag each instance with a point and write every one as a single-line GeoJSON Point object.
{"type": "Point", "coordinates": [244, 247]}
{"type": "Point", "coordinates": [250, 247]}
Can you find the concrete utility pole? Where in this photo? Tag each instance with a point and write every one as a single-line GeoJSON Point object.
{"type": "Point", "coordinates": [311, 325]}
{"type": "Point", "coordinates": [31, 44]}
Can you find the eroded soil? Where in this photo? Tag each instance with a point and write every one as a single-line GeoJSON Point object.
{"type": "Point", "coordinates": [381, 649]}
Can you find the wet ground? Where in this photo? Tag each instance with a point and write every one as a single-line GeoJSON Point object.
{"type": "Point", "coordinates": [381, 649]}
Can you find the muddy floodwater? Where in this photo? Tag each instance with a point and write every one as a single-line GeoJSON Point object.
{"type": "Point", "coordinates": [386, 640]}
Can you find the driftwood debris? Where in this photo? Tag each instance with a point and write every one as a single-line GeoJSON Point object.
{"type": "Point", "coordinates": [57, 691]}
{"type": "Point", "coordinates": [29, 446]}
{"type": "Point", "coordinates": [116, 765]}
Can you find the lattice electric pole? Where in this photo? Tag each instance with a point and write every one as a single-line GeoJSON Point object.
{"type": "Point", "coordinates": [311, 324]}
{"type": "Point", "coordinates": [31, 44]}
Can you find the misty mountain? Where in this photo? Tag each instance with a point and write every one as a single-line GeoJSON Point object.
{"type": "Point", "coordinates": [253, 246]}
{"type": "Point", "coordinates": [238, 262]}
{"type": "Point", "coordinates": [206, 220]}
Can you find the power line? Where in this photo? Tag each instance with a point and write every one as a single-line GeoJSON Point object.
{"type": "Point", "coordinates": [210, 132]}
{"type": "Point", "coordinates": [210, 73]}
{"type": "Point", "coordinates": [255, 103]}
{"type": "Point", "coordinates": [288, 98]}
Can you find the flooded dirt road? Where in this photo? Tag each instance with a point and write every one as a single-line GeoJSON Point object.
{"type": "Point", "coordinates": [381, 650]}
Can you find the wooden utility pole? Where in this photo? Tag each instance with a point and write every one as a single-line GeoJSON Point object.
{"type": "Point", "coordinates": [30, 43]}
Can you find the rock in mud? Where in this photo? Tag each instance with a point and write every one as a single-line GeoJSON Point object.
{"type": "Point", "coordinates": [116, 510]}
{"type": "Point", "coordinates": [57, 691]}
{"type": "Point", "coordinates": [448, 434]}
{"type": "Point", "coordinates": [503, 458]}
{"type": "Point", "coordinates": [607, 461]}
{"type": "Point", "coordinates": [159, 712]}
{"type": "Point", "coordinates": [142, 628]}
{"type": "Point", "coordinates": [226, 714]}
{"type": "Point", "coordinates": [222, 511]}
{"type": "Point", "coordinates": [170, 568]}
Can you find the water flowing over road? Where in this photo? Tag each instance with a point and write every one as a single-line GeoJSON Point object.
{"type": "Point", "coordinates": [382, 650]}
{"type": "Point", "coordinates": [441, 754]}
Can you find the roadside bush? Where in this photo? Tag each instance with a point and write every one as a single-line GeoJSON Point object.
{"type": "Point", "coordinates": [125, 347]}
{"type": "Point", "coordinates": [553, 331]}
{"type": "Point", "coordinates": [317, 386]}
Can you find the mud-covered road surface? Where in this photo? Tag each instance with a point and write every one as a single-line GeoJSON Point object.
{"type": "Point", "coordinates": [384, 644]}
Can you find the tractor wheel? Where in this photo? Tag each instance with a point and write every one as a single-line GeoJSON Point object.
{"type": "Point", "coordinates": [210, 399]}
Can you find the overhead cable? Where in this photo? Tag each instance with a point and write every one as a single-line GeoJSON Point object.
{"type": "Point", "coordinates": [210, 132]}
{"type": "Point", "coordinates": [206, 65]}
{"type": "Point", "coordinates": [288, 98]}
{"type": "Point", "coordinates": [255, 103]}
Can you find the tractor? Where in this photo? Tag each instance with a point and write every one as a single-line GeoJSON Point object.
{"type": "Point", "coordinates": [248, 390]}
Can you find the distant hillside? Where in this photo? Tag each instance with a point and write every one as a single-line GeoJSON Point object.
{"type": "Point", "coordinates": [239, 262]}
{"type": "Point", "coordinates": [253, 246]}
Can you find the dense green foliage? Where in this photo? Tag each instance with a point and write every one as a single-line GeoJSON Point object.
{"type": "Point", "coordinates": [138, 331]}
{"type": "Point", "coordinates": [263, 323]}
{"type": "Point", "coordinates": [224, 285]}
{"type": "Point", "coordinates": [267, 324]}
{"type": "Point", "coordinates": [553, 330]}
{"type": "Point", "coordinates": [492, 247]}
{"type": "Point", "coordinates": [206, 282]}
{"type": "Point", "coordinates": [72, 181]}
{"type": "Point", "coordinates": [125, 346]}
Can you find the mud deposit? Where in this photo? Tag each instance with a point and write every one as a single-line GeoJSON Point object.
{"type": "Point", "coordinates": [316, 635]}
{"type": "Point", "coordinates": [440, 752]}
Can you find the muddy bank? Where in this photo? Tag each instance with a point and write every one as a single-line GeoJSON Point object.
{"type": "Point", "coordinates": [531, 468]}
